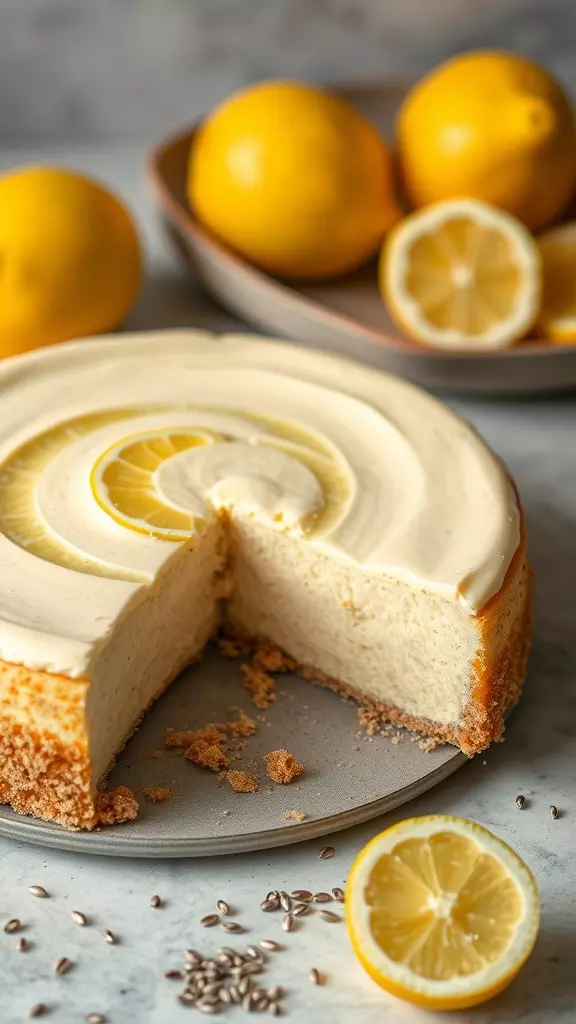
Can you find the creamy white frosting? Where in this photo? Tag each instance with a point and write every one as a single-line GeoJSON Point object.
{"type": "Point", "coordinates": [371, 469]}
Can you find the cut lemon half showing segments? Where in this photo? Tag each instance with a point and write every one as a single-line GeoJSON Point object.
{"type": "Point", "coordinates": [123, 482]}
{"type": "Point", "coordinates": [557, 319]}
{"type": "Point", "coordinates": [440, 912]}
{"type": "Point", "coordinates": [461, 274]}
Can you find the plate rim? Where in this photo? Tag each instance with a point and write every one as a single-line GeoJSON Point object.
{"type": "Point", "coordinates": [108, 842]}
{"type": "Point", "coordinates": [182, 217]}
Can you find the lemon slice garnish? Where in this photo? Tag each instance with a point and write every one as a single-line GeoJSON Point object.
{"type": "Point", "coordinates": [123, 482]}
{"type": "Point", "coordinates": [440, 912]}
{"type": "Point", "coordinates": [461, 274]}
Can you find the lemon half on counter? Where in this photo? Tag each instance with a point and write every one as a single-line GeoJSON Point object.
{"type": "Point", "coordinates": [440, 912]}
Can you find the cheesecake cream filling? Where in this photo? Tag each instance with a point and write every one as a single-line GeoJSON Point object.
{"type": "Point", "coordinates": [359, 469]}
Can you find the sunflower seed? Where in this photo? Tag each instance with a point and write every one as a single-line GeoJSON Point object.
{"type": "Point", "coordinates": [225, 960]}
{"type": "Point", "coordinates": [338, 895]}
{"type": "Point", "coordinates": [250, 968]}
{"type": "Point", "coordinates": [285, 902]}
{"type": "Point", "coordinates": [288, 923]}
{"type": "Point", "coordinates": [223, 907]}
{"type": "Point", "coordinates": [301, 908]}
{"type": "Point", "coordinates": [248, 1003]}
{"type": "Point", "coordinates": [38, 890]}
{"type": "Point", "coordinates": [78, 918]}
{"type": "Point", "coordinates": [270, 945]}
{"type": "Point", "coordinates": [22, 945]}
{"type": "Point", "coordinates": [273, 895]}
{"type": "Point", "coordinates": [314, 976]}
{"type": "Point", "coordinates": [224, 995]}
{"type": "Point", "coordinates": [245, 985]}
{"type": "Point", "coordinates": [193, 957]}
{"type": "Point", "coordinates": [187, 999]}
{"type": "Point", "coordinates": [322, 897]}
{"type": "Point", "coordinates": [110, 937]}
{"type": "Point", "coordinates": [326, 852]}
{"type": "Point", "coordinates": [211, 965]}
{"type": "Point", "coordinates": [38, 1010]}
{"type": "Point", "coordinates": [268, 905]}
{"type": "Point", "coordinates": [553, 811]}
{"type": "Point", "coordinates": [95, 1018]}
{"type": "Point", "coordinates": [63, 965]}
{"type": "Point", "coordinates": [209, 920]}
{"type": "Point", "coordinates": [304, 895]}
{"type": "Point", "coordinates": [520, 801]}
{"type": "Point", "coordinates": [174, 975]}
{"type": "Point", "coordinates": [208, 1007]}
{"type": "Point", "coordinates": [275, 993]}
{"type": "Point", "coordinates": [238, 960]}
{"type": "Point", "coordinates": [274, 1009]}
{"type": "Point", "coordinates": [212, 988]}
{"type": "Point", "coordinates": [155, 901]}
{"type": "Point", "coordinates": [254, 953]}
{"type": "Point", "coordinates": [235, 996]}
{"type": "Point", "coordinates": [328, 915]}
{"type": "Point", "coordinates": [13, 925]}
{"type": "Point", "coordinates": [231, 926]}
{"type": "Point", "coordinates": [262, 1003]}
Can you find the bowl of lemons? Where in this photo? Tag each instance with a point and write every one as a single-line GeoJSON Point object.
{"type": "Point", "coordinates": [423, 228]}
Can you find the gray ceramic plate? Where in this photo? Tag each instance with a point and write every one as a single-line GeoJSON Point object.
{"type": "Point", "coordinates": [345, 316]}
{"type": "Point", "coordinates": [348, 778]}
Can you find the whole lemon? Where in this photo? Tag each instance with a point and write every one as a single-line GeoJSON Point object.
{"type": "Point", "coordinates": [492, 126]}
{"type": "Point", "coordinates": [294, 179]}
{"type": "Point", "coordinates": [70, 260]}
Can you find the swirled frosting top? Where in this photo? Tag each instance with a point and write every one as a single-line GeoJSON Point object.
{"type": "Point", "coordinates": [115, 450]}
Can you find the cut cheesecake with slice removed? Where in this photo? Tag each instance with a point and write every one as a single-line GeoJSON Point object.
{"type": "Point", "coordinates": [158, 487]}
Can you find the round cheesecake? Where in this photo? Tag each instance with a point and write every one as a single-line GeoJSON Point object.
{"type": "Point", "coordinates": [158, 487]}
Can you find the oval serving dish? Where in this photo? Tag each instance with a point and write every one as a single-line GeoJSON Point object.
{"type": "Point", "coordinates": [346, 315]}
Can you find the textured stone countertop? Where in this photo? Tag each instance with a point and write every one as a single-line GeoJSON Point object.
{"type": "Point", "coordinates": [538, 440]}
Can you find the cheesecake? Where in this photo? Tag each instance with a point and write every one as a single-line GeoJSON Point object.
{"type": "Point", "coordinates": [156, 488]}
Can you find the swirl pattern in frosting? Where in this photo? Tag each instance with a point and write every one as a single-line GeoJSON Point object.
{"type": "Point", "coordinates": [113, 451]}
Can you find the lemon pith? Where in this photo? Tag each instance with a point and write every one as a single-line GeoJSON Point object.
{"type": "Point", "coordinates": [440, 912]}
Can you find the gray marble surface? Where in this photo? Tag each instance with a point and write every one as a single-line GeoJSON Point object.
{"type": "Point", "coordinates": [538, 758]}
{"type": "Point", "coordinates": [96, 69]}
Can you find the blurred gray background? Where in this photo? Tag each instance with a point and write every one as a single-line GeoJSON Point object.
{"type": "Point", "coordinates": [93, 70]}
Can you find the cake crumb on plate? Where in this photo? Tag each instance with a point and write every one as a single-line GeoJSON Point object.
{"type": "Point", "coordinates": [156, 794]}
{"type": "Point", "coordinates": [282, 767]}
{"type": "Point", "coordinates": [117, 806]}
{"type": "Point", "coordinates": [293, 815]}
{"type": "Point", "coordinates": [260, 684]}
{"type": "Point", "coordinates": [242, 782]}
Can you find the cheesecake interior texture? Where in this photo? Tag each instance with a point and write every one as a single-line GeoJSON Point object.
{"type": "Point", "coordinates": [421, 660]}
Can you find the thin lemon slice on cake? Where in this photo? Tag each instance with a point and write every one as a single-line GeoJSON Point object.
{"type": "Point", "coordinates": [557, 318]}
{"type": "Point", "coordinates": [440, 912]}
{"type": "Point", "coordinates": [123, 482]}
{"type": "Point", "coordinates": [461, 274]}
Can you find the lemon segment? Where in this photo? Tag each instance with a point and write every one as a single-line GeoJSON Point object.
{"type": "Point", "coordinates": [440, 912]}
{"type": "Point", "coordinates": [461, 274]}
{"type": "Point", "coordinates": [123, 483]}
{"type": "Point", "coordinates": [557, 318]}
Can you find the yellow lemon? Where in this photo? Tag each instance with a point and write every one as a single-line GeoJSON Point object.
{"type": "Point", "coordinates": [557, 319]}
{"type": "Point", "coordinates": [493, 126]}
{"type": "Point", "coordinates": [294, 179]}
{"type": "Point", "coordinates": [69, 258]}
{"type": "Point", "coordinates": [440, 912]}
{"type": "Point", "coordinates": [461, 274]}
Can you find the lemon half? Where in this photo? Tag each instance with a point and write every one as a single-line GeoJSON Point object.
{"type": "Point", "coordinates": [440, 912]}
{"type": "Point", "coordinates": [461, 274]}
